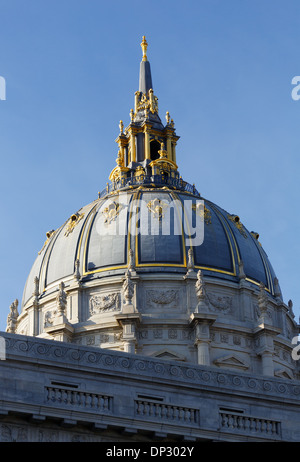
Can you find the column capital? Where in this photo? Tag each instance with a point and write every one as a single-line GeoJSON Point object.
{"type": "Point", "coordinates": [202, 318]}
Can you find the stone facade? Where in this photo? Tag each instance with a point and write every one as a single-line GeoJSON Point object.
{"type": "Point", "coordinates": [55, 391]}
{"type": "Point", "coordinates": [143, 334]}
{"type": "Point", "coordinates": [231, 325]}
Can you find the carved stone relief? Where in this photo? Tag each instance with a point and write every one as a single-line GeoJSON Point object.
{"type": "Point", "coordinates": [221, 303]}
{"type": "Point", "coordinates": [257, 312]}
{"type": "Point", "coordinates": [48, 436]}
{"type": "Point", "coordinates": [143, 334]}
{"type": "Point", "coordinates": [104, 337]}
{"type": "Point", "coordinates": [236, 340]}
{"type": "Point", "coordinates": [10, 433]}
{"type": "Point", "coordinates": [165, 298]}
{"type": "Point", "coordinates": [48, 317]}
{"type": "Point", "coordinates": [224, 338]}
{"type": "Point", "coordinates": [90, 340]}
{"type": "Point", "coordinates": [187, 334]}
{"type": "Point", "coordinates": [172, 333]}
{"type": "Point", "coordinates": [168, 333]}
{"type": "Point", "coordinates": [27, 433]}
{"type": "Point", "coordinates": [103, 303]}
{"type": "Point", "coordinates": [157, 333]}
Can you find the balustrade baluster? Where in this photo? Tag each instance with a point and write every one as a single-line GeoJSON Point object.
{"type": "Point", "coordinates": [157, 410]}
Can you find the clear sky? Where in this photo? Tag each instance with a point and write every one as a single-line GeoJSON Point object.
{"type": "Point", "coordinates": [222, 68]}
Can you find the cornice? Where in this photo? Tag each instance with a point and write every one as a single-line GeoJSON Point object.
{"type": "Point", "coordinates": [61, 355]}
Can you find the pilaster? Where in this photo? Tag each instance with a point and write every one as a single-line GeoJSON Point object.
{"type": "Point", "coordinates": [201, 323]}
{"type": "Point", "coordinates": [264, 336]}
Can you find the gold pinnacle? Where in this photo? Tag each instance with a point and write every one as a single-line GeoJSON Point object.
{"type": "Point", "coordinates": [144, 46]}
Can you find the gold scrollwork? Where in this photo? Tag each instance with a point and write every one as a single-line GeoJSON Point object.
{"type": "Point", "coordinates": [49, 234]}
{"type": "Point", "coordinates": [236, 220]}
{"type": "Point", "coordinates": [157, 207]}
{"type": "Point", "coordinates": [146, 103]}
{"type": "Point", "coordinates": [256, 236]}
{"type": "Point", "coordinates": [139, 172]}
{"type": "Point", "coordinates": [73, 221]}
{"type": "Point", "coordinates": [111, 212]}
{"type": "Point", "coordinates": [203, 212]}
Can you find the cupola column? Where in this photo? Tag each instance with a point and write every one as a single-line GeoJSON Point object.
{"type": "Point", "coordinates": [174, 151]}
{"type": "Point", "coordinates": [169, 148]}
{"type": "Point", "coordinates": [132, 146]}
{"type": "Point", "coordinates": [147, 142]}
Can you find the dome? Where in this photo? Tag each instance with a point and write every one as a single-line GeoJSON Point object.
{"type": "Point", "coordinates": [101, 235]}
{"type": "Point", "coordinates": [154, 268]}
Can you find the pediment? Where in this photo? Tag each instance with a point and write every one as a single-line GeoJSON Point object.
{"type": "Point", "coordinates": [168, 354]}
{"type": "Point", "coordinates": [231, 361]}
{"type": "Point", "coordinates": [283, 373]}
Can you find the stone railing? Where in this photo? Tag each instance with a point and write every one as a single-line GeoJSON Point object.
{"type": "Point", "coordinates": [176, 414]}
{"type": "Point", "coordinates": [156, 180]}
{"type": "Point", "coordinates": [81, 399]}
{"type": "Point", "coordinates": [20, 347]}
{"type": "Point", "coordinates": [236, 422]}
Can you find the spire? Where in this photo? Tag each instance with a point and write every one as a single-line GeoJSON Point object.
{"type": "Point", "coordinates": [145, 70]}
{"type": "Point", "coordinates": [147, 147]}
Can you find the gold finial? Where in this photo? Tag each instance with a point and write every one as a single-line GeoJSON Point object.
{"type": "Point", "coordinates": [119, 159]}
{"type": "Point", "coordinates": [162, 152]}
{"type": "Point", "coordinates": [144, 46]}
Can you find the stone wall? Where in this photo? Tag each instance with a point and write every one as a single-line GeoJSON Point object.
{"type": "Point", "coordinates": [52, 390]}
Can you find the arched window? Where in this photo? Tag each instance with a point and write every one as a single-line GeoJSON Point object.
{"type": "Point", "coordinates": [154, 148]}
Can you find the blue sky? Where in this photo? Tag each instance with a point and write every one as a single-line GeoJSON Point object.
{"type": "Point", "coordinates": [222, 68]}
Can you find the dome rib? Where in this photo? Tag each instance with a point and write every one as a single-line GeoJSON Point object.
{"type": "Point", "coordinates": [220, 254]}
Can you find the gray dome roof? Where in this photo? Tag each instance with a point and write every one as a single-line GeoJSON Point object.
{"type": "Point", "coordinates": [91, 237]}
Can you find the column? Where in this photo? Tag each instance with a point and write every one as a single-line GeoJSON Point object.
{"type": "Point", "coordinates": [129, 337]}
{"type": "Point", "coordinates": [133, 149]}
{"type": "Point", "coordinates": [147, 144]}
{"type": "Point", "coordinates": [169, 148]}
{"type": "Point", "coordinates": [203, 352]}
{"type": "Point", "coordinates": [174, 151]}
{"type": "Point", "coordinates": [265, 347]}
{"type": "Point", "coordinates": [267, 363]}
{"type": "Point", "coordinates": [201, 322]}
